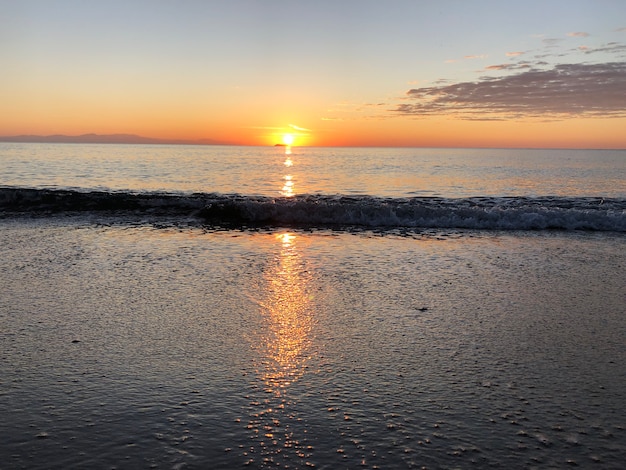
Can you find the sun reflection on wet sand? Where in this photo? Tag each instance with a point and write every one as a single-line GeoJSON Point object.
{"type": "Point", "coordinates": [289, 318]}
{"type": "Point", "coordinates": [284, 353]}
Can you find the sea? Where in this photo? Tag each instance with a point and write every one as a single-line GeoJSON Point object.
{"type": "Point", "coordinates": [194, 307]}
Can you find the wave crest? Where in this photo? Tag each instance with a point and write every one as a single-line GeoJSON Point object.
{"type": "Point", "coordinates": [485, 213]}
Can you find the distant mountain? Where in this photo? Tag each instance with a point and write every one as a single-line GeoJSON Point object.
{"type": "Point", "coordinates": [104, 139]}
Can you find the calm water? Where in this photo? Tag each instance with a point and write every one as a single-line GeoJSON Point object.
{"type": "Point", "coordinates": [129, 341]}
{"type": "Point", "coordinates": [351, 171]}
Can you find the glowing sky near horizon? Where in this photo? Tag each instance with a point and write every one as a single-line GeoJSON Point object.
{"type": "Point", "coordinates": [399, 72]}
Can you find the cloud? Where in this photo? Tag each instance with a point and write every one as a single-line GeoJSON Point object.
{"type": "Point", "coordinates": [610, 47]}
{"type": "Point", "coordinates": [564, 91]}
{"type": "Point", "coordinates": [481, 56]}
{"type": "Point", "coordinates": [297, 128]}
{"type": "Point", "coordinates": [551, 42]}
{"type": "Point", "coordinates": [521, 65]}
{"type": "Point", "coordinates": [578, 34]}
{"type": "Point", "coordinates": [514, 54]}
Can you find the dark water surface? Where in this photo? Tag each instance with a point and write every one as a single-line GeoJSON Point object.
{"type": "Point", "coordinates": [158, 346]}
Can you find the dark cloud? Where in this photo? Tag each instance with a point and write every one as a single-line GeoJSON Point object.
{"type": "Point", "coordinates": [567, 90]}
{"type": "Point", "coordinates": [610, 47]}
{"type": "Point", "coordinates": [520, 65]}
{"type": "Point", "coordinates": [551, 42]}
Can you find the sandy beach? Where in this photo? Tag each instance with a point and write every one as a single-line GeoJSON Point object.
{"type": "Point", "coordinates": [144, 346]}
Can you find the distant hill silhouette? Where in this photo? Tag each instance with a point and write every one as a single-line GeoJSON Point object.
{"type": "Point", "coordinates": [105, 139]}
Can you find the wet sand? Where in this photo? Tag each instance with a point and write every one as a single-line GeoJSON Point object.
{"type": "Point", "coordinates": [143, 346]}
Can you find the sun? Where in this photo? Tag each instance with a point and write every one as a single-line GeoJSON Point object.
{"type": "Point", "coordinates": [288, 139]}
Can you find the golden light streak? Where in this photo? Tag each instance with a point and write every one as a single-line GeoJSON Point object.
{"type": "Point", "coordinates": [288, 189]}
{"type": "Point", "coordinates": [289, 318]}
{"type": "Point", "coordinates": [283, 345]}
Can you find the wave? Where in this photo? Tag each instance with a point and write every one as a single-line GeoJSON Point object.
{"type": "Point", "coordinates": [484, 213]}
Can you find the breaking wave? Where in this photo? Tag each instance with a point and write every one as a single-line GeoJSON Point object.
{"type": "Point", "coordinates": [485, 213]}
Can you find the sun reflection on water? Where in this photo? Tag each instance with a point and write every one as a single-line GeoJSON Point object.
{"type": "Point", "coordinates": [288, 186]}
{"type": "Point", "coordinates": [284, 349]}
{"type": "Point", "coordinates": [289, 318]}
{"type": "Point", "coordinates": [287, 189]}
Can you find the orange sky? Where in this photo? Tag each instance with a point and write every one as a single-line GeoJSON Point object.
{"type": "Point", "coordinates": [331, 75]}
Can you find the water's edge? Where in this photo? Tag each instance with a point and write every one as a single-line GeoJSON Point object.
{"type": "Point", "coordinates": [318, 210]}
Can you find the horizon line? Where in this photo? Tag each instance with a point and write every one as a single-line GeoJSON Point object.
{"type": "Point", "coordinates": [135, 139]}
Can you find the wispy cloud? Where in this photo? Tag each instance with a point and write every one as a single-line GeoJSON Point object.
{"type": "Point", "coordinates": [298, 128]}
{"type": "Point", "coordinates": [474, 56]}
{"type": "Point", "coordinates": [578, 34]}
{"type": "Point", "coordinates": [514, 54]}
{"type": "Point", "coordinates": [551, 42]}
{"type": "Point", "coordinates": [467, 57]}
{"type": "Point", "coordinates": [566, 90]}
{"type": "Point", "coordinates": [517, 66]}
{"type": "Point", "coordinates": [609, 47]}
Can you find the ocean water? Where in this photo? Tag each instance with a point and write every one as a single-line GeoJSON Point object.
{"type": "Point", "coordinates": [280, 171]}
{"type": "Point", "coordinates": [374, 188]}
{"type": "Point", "coordinates": [185, 307]}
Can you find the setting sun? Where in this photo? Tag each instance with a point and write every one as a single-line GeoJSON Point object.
{"type": "Point", "coordinates": [149, 83]}
{"type": "Point", "coordinates": [288, 139]}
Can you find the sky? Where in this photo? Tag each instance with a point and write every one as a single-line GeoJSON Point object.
{"type": "Point", "coordinates": [441, 73]}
